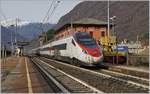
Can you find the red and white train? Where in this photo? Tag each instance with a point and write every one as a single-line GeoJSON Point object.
{"type": "Point", "coordinates": [80, 48]}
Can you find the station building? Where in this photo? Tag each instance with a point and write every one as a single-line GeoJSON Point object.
{"type": "Point", "coordinates": [96, 28]}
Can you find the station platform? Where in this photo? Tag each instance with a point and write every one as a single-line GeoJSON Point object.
{"type": "Point", "coordinates": [134, 68]}
{"type": "Point", "coordinates": [141, 71]}
{"type": "Point", "coordinates": [19, 76]}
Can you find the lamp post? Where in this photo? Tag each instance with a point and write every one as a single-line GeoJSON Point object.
{"type": "Point", "coordinates": [113, 23]}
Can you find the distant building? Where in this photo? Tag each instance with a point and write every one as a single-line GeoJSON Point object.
{"type": "Point", "coordinates": [96, 28]}
{"type": "Point", "coordinates": [42, 38]}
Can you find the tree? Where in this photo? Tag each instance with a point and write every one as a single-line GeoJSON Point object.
{"type": "Point", "coordinates": [50, 34]}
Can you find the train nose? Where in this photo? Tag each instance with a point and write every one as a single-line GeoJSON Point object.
{"type": "Point", "coordinates": [95, 53]}
{"type": "Point", "coordinates": [96, 60]}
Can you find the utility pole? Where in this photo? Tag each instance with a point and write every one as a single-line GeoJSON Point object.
{"type": "Point", "coordinates": [46, 36]}
{"type": "Point", "coordinates": [12, 44]}
{"type": "Point", "coordinates": [16, 34]}
{"type": "Point", "coordinates": [113, 40]}
{"type": "Point", "coordinates": [5, 53]}
{"type": "Point", "coordinates": [71, 26]}
{"type": "Point", "coordinates": [108, 19]}
{"type": "Point", "coordinates": [137, 44]}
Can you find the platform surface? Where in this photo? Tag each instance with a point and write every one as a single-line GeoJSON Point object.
{"type": "Point", "coordinates": [139, 68]}
{"type": "Point", "coordinates": [20, 76]}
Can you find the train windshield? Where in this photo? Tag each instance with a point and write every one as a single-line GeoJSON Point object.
{"type": "Point", "coordinates": [85, 39]}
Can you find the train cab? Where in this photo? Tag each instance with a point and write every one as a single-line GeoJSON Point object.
{"type": "Point", "coordinates": [89, 51]}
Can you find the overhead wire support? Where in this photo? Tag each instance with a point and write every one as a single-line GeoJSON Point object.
{"type": "Point", "coordinates": [16, 22]}
{"type": "Point", "coordinates": [42, 21]}
{"type": "Point", "coordinates": [48, 14]}
{"type": "Point", "coordinates": [55, 6]}
{"type": "Point", "coordinates": [48, 11]}
{"type": "Point", "coordinates": [108, 2]}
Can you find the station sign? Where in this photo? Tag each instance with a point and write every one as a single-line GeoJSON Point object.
{"type": "Point", "coordinates": [122, 50]}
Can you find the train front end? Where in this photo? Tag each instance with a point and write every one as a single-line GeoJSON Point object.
{"type": "Point", "coordinates": [90, 51]}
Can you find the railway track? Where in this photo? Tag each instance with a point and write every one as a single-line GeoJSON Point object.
{"type": "Point", "coordinates": [135, 79]}
{"type": "Point", "coordinates": [134, 73]}
{"type": "Point", "coordinates": [62, 82]}
{"type": "Point", "coordinates": [56, 86]}
{"type": "Point", "coordinates": [120, 75]}
{"type": "Point", "coordinates": [105, 81]}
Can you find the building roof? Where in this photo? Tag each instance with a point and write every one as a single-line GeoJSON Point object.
{"type": "Point", "coordinates": [90, 21]}
{"type": "Point", "coordinates": [85, 21]}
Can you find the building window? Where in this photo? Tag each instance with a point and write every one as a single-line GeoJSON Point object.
{"type": "Point", "coordinates": [97, 27]}
{"type": "Point", "coordinates": [91, 33]}
{"type": "Point", "coordinates": [75, 29]}
{"type": "Point", "coordinates": [103, 34]}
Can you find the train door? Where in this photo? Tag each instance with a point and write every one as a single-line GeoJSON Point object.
{"type": "Point", "coordinates": [72, 49]}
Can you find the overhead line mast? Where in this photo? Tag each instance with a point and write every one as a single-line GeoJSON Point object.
{"type": "Point", "coordinates": [48, 11]}
{"type": "Point", "coordinates": [48, 15]}
{"type": "Point", "coordinates": [108, 19]}
{"type": "Point", "coordinates": [55, 6]}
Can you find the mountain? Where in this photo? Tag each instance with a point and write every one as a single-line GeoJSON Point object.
{"type": "Point", "coordinates": [25, 31]}
{"type": "Point", "coordinates": [132, 17]}
{"type": "Point", "coordinates": [32, 30]}
{"type": "Point", "coordinates": [6, 34]}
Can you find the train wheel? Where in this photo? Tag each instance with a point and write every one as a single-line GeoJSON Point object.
{"type": "Point", "coordinates": [102, 65]}
{"type": "Point", "coordinates": [75, 62]}
{"type": "Point", "coordinates": [72, 61]}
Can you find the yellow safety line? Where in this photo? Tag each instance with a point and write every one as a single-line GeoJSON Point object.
{"type": "Point", "coordinates": [28, 79]}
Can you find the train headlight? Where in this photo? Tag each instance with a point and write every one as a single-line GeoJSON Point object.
{"type": "Point", "coordinates": [84, 51]}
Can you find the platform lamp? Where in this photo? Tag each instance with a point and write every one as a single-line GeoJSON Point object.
{"type": "Point", "coordinates": [113, 23]}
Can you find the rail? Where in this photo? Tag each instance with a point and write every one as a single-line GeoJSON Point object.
{"type": "Point", "coordinates": [74, 85]}
{"type": "Point", "coordinates": [117, 84]}
{"type": "Point", "coordinates": [54, 84]}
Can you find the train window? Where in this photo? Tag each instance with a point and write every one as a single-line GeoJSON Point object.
{"type": "Point", "coordinates": [60, 46]}
{"type": "Point", "coordinates": [73, 42]}
{"type": "Point", "coordinates": [103, 34]}
{"type": "Point", "coordinates": [86, 39]}
{"type": "Point", "coordinates": [91, 33]}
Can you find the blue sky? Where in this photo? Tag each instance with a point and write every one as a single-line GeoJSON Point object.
{"type": "Point", "coordinates": [34, 10]}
